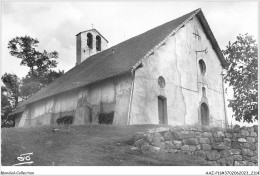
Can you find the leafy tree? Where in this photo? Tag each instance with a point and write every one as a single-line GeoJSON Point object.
{"type": "Point", "coordinates": [6, 108]}
{"type": "Point", "coordinates": [24, 48]}
{"type": "Point", "coordinates": [12, 87]}
{"type": "Point", "coordinates": [241, 74]}
{"type": "Point", "coordinates": [40, 64]}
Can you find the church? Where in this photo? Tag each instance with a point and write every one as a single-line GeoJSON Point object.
{"type": "Point", "coordinates": [171, 74]}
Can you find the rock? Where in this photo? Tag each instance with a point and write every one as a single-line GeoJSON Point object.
{"type": "Point", "coordinates": [254, 159]}
{"type": "Point", "coordinates": [147, 149]}
{"type": "Point", "coordinates": [240, 163]}
{"type": "Point", "coordinates": [156, 139]}
{"type": "Point", "coordinates": [158, 130]}
{"type": "Point", "coordinates": [206, 147]}
{"type": "Point", "coordinates": [134, 148]}
{"type": "Point", "coordinates": [192, 148]}
{"type": "Point", "coordinates": [218, 134]}
{"type": "Point", "coordinates": [236, 145]}
{"type": "Point", "coordinates": [200, 153]}
{"type": "Point", "coordinates": [198, 147]}
{"type": "Point", "coordinates": [249, 145]}
{"type": "Point", "coordinates": [244, 133]}
{"type": "Point", "coordinates": [185, 148]}
{"type": "Point", "coordinates": [140, 142]}
{"type": "Point", "coordinates": [214, 129]}
{"type": "Point", "coordinates": [230, 130]}
{"type": "Point", "coordinates": [190, 141]}
{"type": "Point", "coordinates": [170, 150]}
{"type": "Point", "coordinates": [247, 152]}
{"type": "Point", "coordinates": [207, 134]}
{"type": "Point", "coordinates": [253, 134]}
{"type": "Point", "coordinates": [241, 140]}
{"type": "Point", "coordinates": [228, 135]}
{"type": "Point", "coordinates": [139, 135]}
{"type": "Point", "coordinates": [168, 145]}
{"type": "Point", "coordinates": [184, 152]}
{"type": "Point", "coordinates": [206, 128]}
{"type": "Point", "coordinates": [250, 139]}
{"type": "Point", "coordinates": [197, 134]}
{"type": "Point", "coordinates": [224, 153]}
{"type": "Point", "coordinates": [255, 128]}
{"type": "Point", "coordinates": [225, 161]}
{"type": "Point", "coordinates": [212, 155]}
{"type": "Point", "coordinates": [250, 129]}
{"type": "Point", "coordinates": [178, 128]}
{"type": "Point", "coordinates": [167, 136]}
{"type": "Point", "coordinates": [212, 163]}
{"type": "Point", "coordinates": [149, 137]}
{"type": "Point", "coordinates": [177, 144]}
{"type": "Point", "coordinates": [214, 140]}
{"type": "Point", "coordinates": [227, 139]}
{"type": "Point", "coordinates": [235, 151]}
{"type": "Point", "coordinates": [236, 135]}
{"type": "Point", "coordinates": [221, 145]}
{"type": "Point", "coordinates": [204, 140]}
{"type": "Point", "coordinates": [179, 135]}
{"type": "Point", "coordinates": [237, 157]}
{"type": "Point", "coordinates": [250, 164]}
{"type": "Point", "coordinates": [236, 128]}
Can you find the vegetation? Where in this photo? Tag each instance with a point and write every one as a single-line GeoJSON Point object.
{"type": "Point", "coordinates": [41, 73]}
{"type": "Point", "coordinates": [88, 145]}
{"type": "Point", "coordinates": [241, 74]}
{"type": "Point", "coordinates": [106, 118]}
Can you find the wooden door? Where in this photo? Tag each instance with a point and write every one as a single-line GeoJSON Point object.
{"type": "Point", "coordinates": [162, 110]}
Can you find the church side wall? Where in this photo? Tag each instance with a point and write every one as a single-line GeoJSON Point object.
{"type": "Point", "coordinates": [84, 104]}
{"type": "Point", "coordinates": [177, 62]}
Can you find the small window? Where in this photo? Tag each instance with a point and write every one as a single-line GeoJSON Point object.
{"type": "Point", "coordinates": [161, 82]}
{"type": "Point", "coordinates": [90, 40]}
{"type": "Point", "coordinates": [203, 92]}
{"type": "Point", "coordinates": [98, 43]}
{"type": "Point", "coordinates": [202, 66]}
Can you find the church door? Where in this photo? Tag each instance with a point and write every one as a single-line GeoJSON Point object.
{"type": "Point", "coordinates": [204, 114]}
{"type": "Point", "coordinates": [162, 110]}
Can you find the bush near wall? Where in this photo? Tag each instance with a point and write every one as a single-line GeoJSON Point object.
{"type": "Point", "coordinates": [106, 118]}
{"type": "Point", "coordinates": [222, 147]}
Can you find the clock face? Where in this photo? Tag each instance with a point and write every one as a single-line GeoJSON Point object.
{"type": "Point", "coordinates": [161, 82]}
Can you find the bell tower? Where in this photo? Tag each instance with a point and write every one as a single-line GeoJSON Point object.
{"type": "Point", "coordinates": [88, 43]}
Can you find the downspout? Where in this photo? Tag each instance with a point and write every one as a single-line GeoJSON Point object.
{"type": "Point", "coordinates": [223, 90]}
{"type": "Point", "coordinates": [131, 96]}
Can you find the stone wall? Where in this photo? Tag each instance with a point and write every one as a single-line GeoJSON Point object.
{"type": "Point", "coordinates": [222, 147]}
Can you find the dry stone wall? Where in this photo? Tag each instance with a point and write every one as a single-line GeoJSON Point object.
{"type": "Point", "coordinates": [221, 147]}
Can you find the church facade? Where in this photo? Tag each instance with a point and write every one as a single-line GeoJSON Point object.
{"type": "Point", "coordinates": [171, 74]}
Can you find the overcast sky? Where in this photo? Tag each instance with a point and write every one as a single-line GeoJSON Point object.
{"type": "Point", "coordinates": [55, 24]}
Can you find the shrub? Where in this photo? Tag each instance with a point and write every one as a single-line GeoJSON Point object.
{"type": "Point", "coordinates": [65, 120]}
{"type": "Point", "coordinates": [106, 118]}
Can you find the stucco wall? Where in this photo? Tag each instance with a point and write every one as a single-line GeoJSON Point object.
{"type": "Point", "coordinates": [177, 61]}
{"type": "Point", "coordinates": [84, 104]}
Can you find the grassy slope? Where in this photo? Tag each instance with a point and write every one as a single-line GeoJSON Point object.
{"type": "Point", "coordinates": [83, 146]}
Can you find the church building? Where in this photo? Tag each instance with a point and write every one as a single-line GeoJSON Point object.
{"type": "Point", "coordinates": [171, 74]}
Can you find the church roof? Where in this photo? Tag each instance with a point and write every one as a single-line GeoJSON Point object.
{"type": "Point", "coordinates": [124, 57]}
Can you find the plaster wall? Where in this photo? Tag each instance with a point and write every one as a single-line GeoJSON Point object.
{"type": "Point", "coordinates": [177, 61]}
{"type": "Point", "coordinates": [84, 104]}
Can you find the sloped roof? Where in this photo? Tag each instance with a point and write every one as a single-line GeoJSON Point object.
{"type": "Point", "coordinates": [126, 56]}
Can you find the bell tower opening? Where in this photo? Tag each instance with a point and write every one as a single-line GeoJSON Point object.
{"type": "Point", "coordinates": [89, 43]}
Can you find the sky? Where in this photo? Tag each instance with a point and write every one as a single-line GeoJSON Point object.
{"type": "Point", "coordinates": [55, 24]}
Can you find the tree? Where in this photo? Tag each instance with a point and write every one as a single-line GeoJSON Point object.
{"type": "Point", "coordinates": [6, 108]}
{"type": "Point", "coordinates": [241, 74]}
{"type": "Point", "coordinates": [12, 87]}
{"type": "Point", "coordinates": [40, 64]}
{"type": "Point", "coordinates": [24, 48]}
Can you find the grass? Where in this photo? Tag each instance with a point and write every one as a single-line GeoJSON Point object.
{"type": "Point", "coordinates": [88, 145]}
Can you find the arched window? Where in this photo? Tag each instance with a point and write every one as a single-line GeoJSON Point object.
{"type": "Point", "coordinates": [90, 40]}
{"type": "Point", "coordinates": [98, 43]}
{"type": "Point", "coordinates": [204, 110]}
{"type": "Point", "coordinates": [202, 66]}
